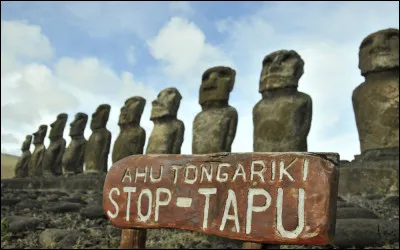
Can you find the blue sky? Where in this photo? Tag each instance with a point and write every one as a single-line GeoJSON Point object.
{"type": "Point", "coordinates": [72, 56]}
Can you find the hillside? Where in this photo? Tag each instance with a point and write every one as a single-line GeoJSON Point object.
{"type": "Point", "coordinates": [8, 165]}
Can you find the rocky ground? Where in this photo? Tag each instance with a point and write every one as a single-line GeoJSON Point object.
{"type": "Point", "coordinates": [55, 219]}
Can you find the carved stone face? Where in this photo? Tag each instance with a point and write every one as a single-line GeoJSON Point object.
{"type": "Point", "coordinates": [379, 51]}
{"type": "Point", "coordinates": [78, 124]}
{"type": "Point", "coordinates": [132, 111]}
{"type": "Point", "coordinates": [166, 104]}
{"type": "Point", "coordinates": [27, 143]}
{"type": "Point", "coordinates": [38, 136]}
{"type": "Point", "coordinates": [100, 117]}
{"type": "Point", "coordinates": [280, 69]}
{"type": "Point", "coordinates": [57, 127]}
{"type": "Point", "coordinates": [216, 84]}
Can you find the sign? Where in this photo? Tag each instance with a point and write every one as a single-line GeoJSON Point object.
{"type": "Point", "coordinates": [274, 198]}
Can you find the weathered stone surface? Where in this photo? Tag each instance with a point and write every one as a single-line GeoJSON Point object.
{"type": "Point", "coordinates": [355, 213]}
{"type": "Point", "coordinates": [360, 233]}
{"type": "Point", "coordinates": [74, 198]}
{"type": "Point", "coordinates": [17, 224]}
{"type": "Point", "coordinates": [282, 118]}
{"type": "Point", "coordinates": [343, 204]}
{"type": "Point", "coordinates": [391, 200]}
{"type": "Point", "coordinates": [82, 182]}
{"type": "Point", "coordinates": [93, 211]}
{"type": "Point", "coordinates": [214, 128]}
{"type": "Point", "coordinates": [63, 207]}
{"type": "Point", "coordinates": [167, 134]}
{"type": "Point", "coordinates": [29, 203]}
{"type": "Point", "coordinates": [240, 195]}
{"type": "Point", "coordinates": [60, 238]}
{"type": "Point", "coordinates": [35, 166]}
{"type": "Point", "coordinates": [73, 158]}
{"type": "Point", "coordinates": [389, 230]}
{"type": "Point", "coordinates": [98, 146]}
{"type": "Point", "coordinates": [366, 180]}
{"type": "Point", "coordinates": [9, 201]}
{"type": "Point", "coordinates": [55, 151]}
{"type": "Point", "coordinates": [132, 137]}
{"type": "Point", "coordinates": [21, 168]}
{"type": "Point", "coordinates": [376, 101]}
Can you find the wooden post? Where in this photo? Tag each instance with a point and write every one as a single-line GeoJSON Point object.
{"type": "Point", "coordinates": [133, 239]}
{"type": "Point", "coordinates": [255, 245]}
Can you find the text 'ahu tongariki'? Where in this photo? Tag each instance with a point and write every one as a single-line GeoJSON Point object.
{"type": "Point", "coordinates": [214, 128]}
{"type": "Point", "coordinates": [167, 134]}
{"type": "Point", "coordinates": [132, 137]}
{"type": "Point", "coordinates": [98, 146]}
{"type": "Point", "coordinates": [35, 165]}
{"type": "Point", "coordinates": [73, 158]}
{"type": "Point", "coordinates": [54, 153]}
{"type": "Point", "coordinates": [376, 101]}
{"type": "Point", "coordinates": [21, 168]}
{"type": "Point", "coordinates": [282, 118]}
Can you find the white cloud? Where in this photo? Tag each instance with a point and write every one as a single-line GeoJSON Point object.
{"type": "Point", "coordinates": [35, 93]}
{"type": "Point", "coordinates": [130, 55]}
{"type": "Point", "coordinates": [14, 35]}
{"type": "Point", "coordinates": [182, 48]}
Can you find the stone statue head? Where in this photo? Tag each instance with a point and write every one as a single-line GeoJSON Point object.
{"type": "Point", "coordinates": [78, 124]}
{"type": "Point", "coordinates": [38, 136]}
{"type": "Point", "coordinates": [27, 143]}
{"type": "Point", "coordinates": [132, 111]}
{"type": "Point", "coordinates": [379, 51]}
{"type": "Point", "coordinates": [57, 127]}
{"type": "Point", "coordinates": [281, 69]}
{"type": "Point", "coordinates": [100, 117]}
{"type": "Point", "coordinates": [216, 84]}
{"type": "Point", "coordinates": [166, 104]}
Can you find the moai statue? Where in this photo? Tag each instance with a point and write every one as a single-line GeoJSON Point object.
{"type": "Point", "coordinates": [55, 151]}
{"type": "Point", "coordinates": [168, 131]}
{"type": "Point", "coordinates": [72, 161]}
{"type": "Point", "coordinates": [21, 168]}
{"type": "Point", "coordinates": [35, 167]}
{"type": "Point", "coordinates": [166, 137]}
{"type": "Point", "coordinates": [132, 137]}
{"type": "Point", "coordinates": [98, 145]}
{"type": "Point", "coordinates": [282, 118]}
{"type": "Point", "coordinates": [214, 128]}
{"type": "Point", "coordinates": [376, 101]}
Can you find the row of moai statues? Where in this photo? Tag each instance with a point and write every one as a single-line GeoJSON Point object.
{"type": "Point", "coordinates": [282, 118]}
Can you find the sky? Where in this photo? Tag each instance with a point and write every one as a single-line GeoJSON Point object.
{"type": "Point", "coordinates": [70, 57]}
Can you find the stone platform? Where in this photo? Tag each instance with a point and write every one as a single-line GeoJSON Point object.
{"type": "Point", "coordinates": [87, 182]}
{"type": "Point", "coordinates": [375, 172]}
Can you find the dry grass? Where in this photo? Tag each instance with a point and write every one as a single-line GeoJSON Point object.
{"type": "Point", "coordinates": [8, 165]}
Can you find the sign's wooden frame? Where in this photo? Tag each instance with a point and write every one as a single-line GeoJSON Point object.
{"type": "Point", "coordinates": [252, 185]}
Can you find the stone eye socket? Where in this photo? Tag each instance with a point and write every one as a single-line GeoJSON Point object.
{"type": "Point", "coordinates": [286, 57]}
{"type": "Point", "coordinates": [391, 35]}
{"type": "Point", "coordinates": [224, 73]}
{"type": "Point", "coordinates": [267, 60]}
{"type": "Point", "coordinates": [205, 76]}
{"type": "Point", "coordinates": [366, 42]}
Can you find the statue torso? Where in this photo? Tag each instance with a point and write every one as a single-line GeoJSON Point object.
{"type": "Point", "coordinates": [376, 108]}
{"type": "Point", "coordinates": [127, 143]}
{"type": "Point", "coordinates": [277, 123]}
{"type": "Point", "coordinates": [163, 137]}
{"type": "Point", "coordinates": [96, 151]}
{"type": "Point", "coordinates": [210, 129]}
